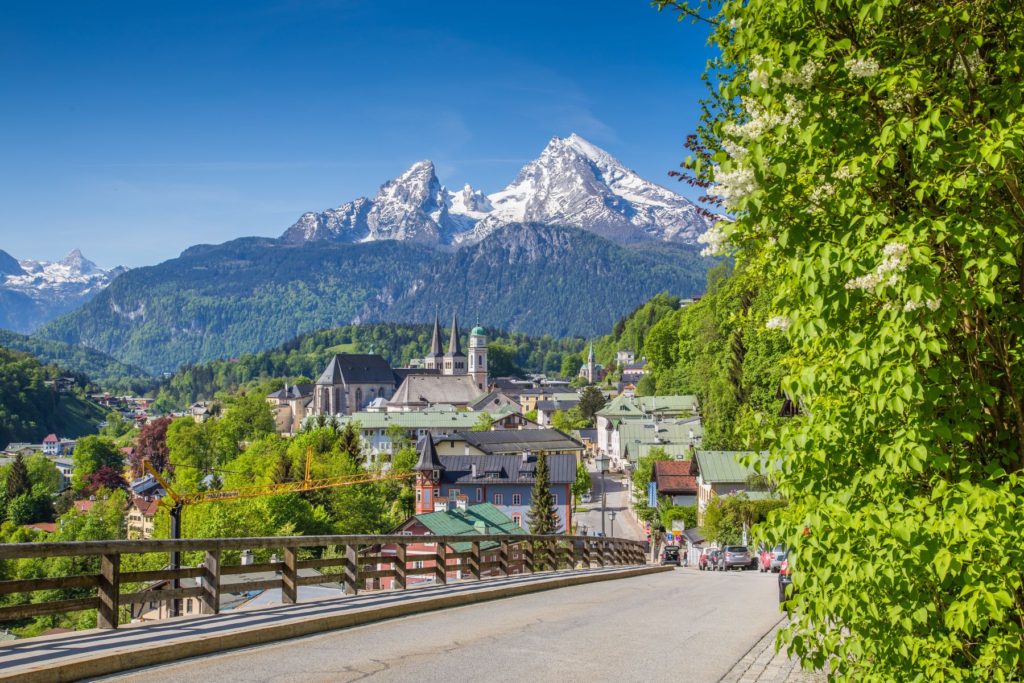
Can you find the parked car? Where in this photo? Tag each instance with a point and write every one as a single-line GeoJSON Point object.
{"type": "Point", "coordinates": [585, 498]}
{"type": "Point", "coordinates": [670, 555]}
{"type": "Point", "coordinates": [785, 579]}
{"type": "Point", "coordinates": [777, 557]}
{"type": "Point", "coordinates": [734, 556]}
{"type": "Point", "coordinates": [713, 557]}
{"type": "Point", "coordinates": [703, 562]}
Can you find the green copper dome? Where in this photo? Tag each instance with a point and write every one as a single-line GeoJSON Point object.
{"type": "Point", "coordinates": [478, 332]}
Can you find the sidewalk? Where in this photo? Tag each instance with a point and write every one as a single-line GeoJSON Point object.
{"type": "Point", "coordinates": [762, 664]}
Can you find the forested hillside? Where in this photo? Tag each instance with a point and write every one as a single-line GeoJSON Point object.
{"type": "Point", "coordinates": [108, 373]}
{"type": "Point", "coordinates": [307, 355]}
{"type": "Point", "coordinates": [29, 409]}
{"type": "Point", "coordinates": [251, 294]}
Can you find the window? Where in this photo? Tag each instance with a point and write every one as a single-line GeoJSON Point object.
{"type": "Point", "coordinates": [188, 607]}
{"type": "Point", "coordinates": [437, 493]}
{"type": "Point", "coordinates": [554, 499]}
{"type": "Point", "coordinates": [479, 495]}
{"type": "Point", "coordinates": [419, 495]}
{"type": "Point", "coordinates": [499, 499]}
{"type": "Point", "coordinates": [518, 519]}
{"type": "Point", "coordinates": [517, 499]}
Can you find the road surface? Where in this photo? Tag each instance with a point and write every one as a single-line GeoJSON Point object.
{"type": "Point", "coordinates": [676, 626]}
{"type": "Point", "coordinates": [617, 495]}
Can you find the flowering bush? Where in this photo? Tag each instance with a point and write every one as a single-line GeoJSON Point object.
{"type": "Point", "coordinates": [870, 155]}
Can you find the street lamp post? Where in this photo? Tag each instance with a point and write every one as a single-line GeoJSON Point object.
{"type": "Point", "coordinates": [602, 465]}
{"type": "Point", "coordinates": [612, 515]}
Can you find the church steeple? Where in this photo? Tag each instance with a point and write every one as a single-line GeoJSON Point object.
{"type": "Point", "coordinates": [590, 358]}
{"type": "Point", "coordinates": [454, 347]}
{"type": "Point", "coordinates": [435, 340]}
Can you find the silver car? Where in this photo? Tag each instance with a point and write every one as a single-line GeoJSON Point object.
{"type": "Point", "coordinates": [734, 556]}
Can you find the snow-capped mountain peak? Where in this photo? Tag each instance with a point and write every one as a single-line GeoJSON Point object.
{"type": "Point", "coordinates": [46, 289]}
{"type": "Point", "coordinates": [573, 182]}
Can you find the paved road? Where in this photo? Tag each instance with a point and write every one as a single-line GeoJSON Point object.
{"type": "Point", "coordinates": [677, 626]}
{"type": "Point", "coordinates": [618, 501]}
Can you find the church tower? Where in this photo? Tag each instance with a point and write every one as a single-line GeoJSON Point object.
{"type": "Point", "coordinates": [455, 359]}
{"type": "Point", "coordinates": [591, 373]}
{"type": "Point", "coordinates": [478, 357]}
{"type": "Point", "coordinates": [428, 475]}
{"type": "Point", "coordinates": [435, 359]}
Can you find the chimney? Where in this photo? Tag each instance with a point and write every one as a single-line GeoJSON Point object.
{"type": "Point", "coordinates": [473, 468]}
{"type": "Point", "coordinates": [247, 558]}
{"type": "Point", "coordinates": [461, 502]}
{"type": "Point", "coordinates": [526, 456]}
{"type": "Point", "coordinates": [441, 504]}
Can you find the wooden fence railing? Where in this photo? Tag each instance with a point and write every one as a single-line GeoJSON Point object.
{"type": "Point", "coordinates": [361, 560]}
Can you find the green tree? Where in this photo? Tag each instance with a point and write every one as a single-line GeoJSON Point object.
{"type": "Point", "coordinates": [568, 420]}
{"type": "Point", "coordinates": [483, 423]}
{"type": "Point", "coordinates": [18, 482]}
{"type": "Point", "coordinates": [92, 453]}
{"type": "Point", "coordinates": [869, 154]}
{"type": "Point", "coordinates": [581, 485]}
{"type": "Point", "coordinates": [591, 401]}
{"type": "Point", "coordinates": [44, 475]}
{"type": "Point", "coordinates": [543, 513]}
{"type": "Point", "coordinates": [116, 425]}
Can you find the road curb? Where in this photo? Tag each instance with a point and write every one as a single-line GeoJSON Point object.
{"type": "Point", "coordinates": [137, 656]}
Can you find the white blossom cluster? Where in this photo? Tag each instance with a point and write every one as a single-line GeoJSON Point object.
{"type": "Point", "coordinates": [761, 72]}
{"type": "Point", "coordinates": [911, 305]}
{"type": "Point", "coordinates": [760, 120]}
{"type": "Point", "coordinates": [974, 62]}
{"type": "Point", "coordinates": [804, 77]}
{"type": "Point", "coordinates": [732, 186]}
{"type": "Point", "coordinates": [887, 271]}
{"type": "Point", "coordinates": [897, 100]}
{"type": "Point", "coordinates": [715, 240]}
{"type": "Point", "coordinates": [844, 173]}
{"type": "Point", "coordinates": [862, 68]}
{"type": "Point", "coordinates": [820, 192]}
{"type": "Point", "coordinates": [778, 322]}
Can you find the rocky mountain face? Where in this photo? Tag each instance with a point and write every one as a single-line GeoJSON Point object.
{"type": "Point", "coordinates": [35, 292]}
{"type": "Point", "coordinates": [573, 183]}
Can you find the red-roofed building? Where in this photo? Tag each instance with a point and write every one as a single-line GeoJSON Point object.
{"type": "Point", "coordinates": [141, 515]}
{"type": "Point", "coordinates": [84, 505]}
{"type": "Point", "coordinates": [677, 479]}
{"type": "Point", "coordinates": [48, 527]}
{"type": "Point", "coordinates": [51, 444]}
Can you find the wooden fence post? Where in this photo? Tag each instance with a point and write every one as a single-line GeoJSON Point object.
{"type": "Point", "coordinates": [474, 561]}
{"type": "Point", "coordinates": [290, 578]}
{"type": "Point", "coordinates": [351, 565]}
{"type": "Point", "coordinates": [441, 563]}
{"type": "Point", "coordinates": [400, 566]}
{"type": "Point", "coordinates": [210, 599]}
{"type": "Point", "coordinates": [586, 553]}
{"type": "Point", "coordinates": [109, 592]}
{"type": "Point", "coordinates": [527, 553]}
{"type": "Point", "coordinates": [503, 559]}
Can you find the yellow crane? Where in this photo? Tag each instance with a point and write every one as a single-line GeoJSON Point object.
{"type": "Point", "coordinates": [180, 500]}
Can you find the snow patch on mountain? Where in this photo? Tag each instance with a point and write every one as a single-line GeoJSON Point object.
{"type": "Point", "coordinates": [573, 183]}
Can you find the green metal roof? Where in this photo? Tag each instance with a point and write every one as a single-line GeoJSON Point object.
{"type": "Point", "coordinates": [724, 466]}
{"type": "Point", "coordinates": [675, 450]}
{"type": "Point", "coordinates": [464, 523]}
{"type": "Point", "coordinates": [418, 419]}
{"type": "Point", "coordinates": [478, 331]}
{"type": "Point", "coordinates": [637, 406]}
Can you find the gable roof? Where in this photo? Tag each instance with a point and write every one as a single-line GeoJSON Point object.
{"type": "Point", "coordinates": [637, 406]}
{"type": "Point", "coordinates": [506, 469]}
{"type": "Point", "coordinates": [676, 477]}
{"type": "Point", "coordinates": [424, 390]}
{"type": "Point", "coordinates": [357, 368]}
{"type": "Point", "coordinates": [291, 391]}
{"type": "Point", "coordinates": [475, 520]}
{"type": "Point", "coordinates": [723, 466]}
{"type": "Point", "coordinates": [518, 440]}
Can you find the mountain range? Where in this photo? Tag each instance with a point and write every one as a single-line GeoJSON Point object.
{"type": "Point", "coordinates": [576, 241]}
{"type": "Point", "coordinates": [573, 183]}
{"type": "Point", "coordinates": [35, 292]}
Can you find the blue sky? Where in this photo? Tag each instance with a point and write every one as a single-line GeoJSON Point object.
{"type": "Point", "coordinates": [135, 129]}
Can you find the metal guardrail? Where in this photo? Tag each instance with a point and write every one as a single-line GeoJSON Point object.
{"type": "Point", "coordinates": [513, 554]}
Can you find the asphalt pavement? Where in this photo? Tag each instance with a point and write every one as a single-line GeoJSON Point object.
{"type": "Point", "coordinates": [617, 497]}
{"type": "Point", "coordinates": [676, 626]}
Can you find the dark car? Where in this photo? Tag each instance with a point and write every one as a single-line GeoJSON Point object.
{"type": "Point", "coordinates": [670, 555]}
{"type": "Point", "coordinates": [785, 578]}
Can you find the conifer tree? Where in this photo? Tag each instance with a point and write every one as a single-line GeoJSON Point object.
{"type": "Point", "coordinates": [543, 514]}
{"type": "Point", "coordinates": [17, 478]}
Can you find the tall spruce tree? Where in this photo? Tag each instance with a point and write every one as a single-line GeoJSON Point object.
{"type": "Point", "coordinates": [18, 481]}
{"type": "Point", "coordinates": [543, 514]}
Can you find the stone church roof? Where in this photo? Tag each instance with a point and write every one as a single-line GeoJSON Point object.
{"type": "Point", "coordinates": [357, 368]}
{"type": "Point", "coordinates": [423, 390]}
